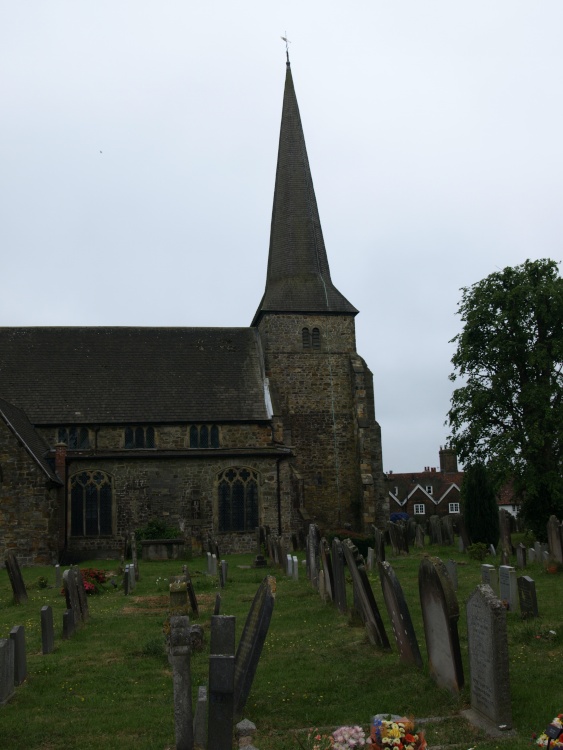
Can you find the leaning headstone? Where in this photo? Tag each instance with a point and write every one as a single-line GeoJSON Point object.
{"type": "Point", "coordinates": [399, 615]}
{"type": "Point", "coordinates": [15, 576]}
{"type": "Point", "coordinates": [200, 719]}
{"type": "Point", "coordinates": [451, 567]}
{"type": "Point", "coordinates": [339, 578]}
{"type": "Point", "coordinates": [363, 596]}
{"type": "Point", "coordinates": [47, 630]}
{"type": "Point", "coordinates": [488, 657]}
{"type": "Point", "coordinates": [440, 614]}
{"type": "Point", "coordinates": [555, 539]}
{"type": "Point", "coordinates": [326, 561]}
{"type": "Point", "coordinates": [6, 670]}
{"type": "Point", "coordinates": [527, 596]}
{"type": "Point", "coordinates": [179, 658]}
{"type": "Point", "coordinates": [17, 635]}
{"type": "Point", "coordinates": [252, 641]}
{"type": "Point", "coordinates": [521, 556]}
{"type": "Point", "coordinates": [508, 590]}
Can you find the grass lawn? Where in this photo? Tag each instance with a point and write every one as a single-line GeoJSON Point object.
{"type": "Point", "coordinates": [110, 686]}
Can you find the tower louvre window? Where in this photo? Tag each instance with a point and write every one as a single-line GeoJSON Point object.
{"type": "Point", "coordinates": [306, 336]}
{"type": "Point", "coordinates": [316, 338]}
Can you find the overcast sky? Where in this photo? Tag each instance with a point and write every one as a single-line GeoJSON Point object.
{"type": "Point", "coordinates": [138, 145]}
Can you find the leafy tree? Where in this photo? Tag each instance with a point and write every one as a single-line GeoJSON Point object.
{"type": "Point", "coordinates": [509, 412]}
{"type": "Point", "coordinates": [480, 509]}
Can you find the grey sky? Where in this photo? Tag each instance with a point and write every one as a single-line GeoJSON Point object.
{"type": "Point", "coordinates": [138, 145]}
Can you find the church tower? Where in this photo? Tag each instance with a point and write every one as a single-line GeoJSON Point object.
{"type": "Point", "coordinates": [322, 390]}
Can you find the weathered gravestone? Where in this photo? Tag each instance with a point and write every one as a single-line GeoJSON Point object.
{"type": "Point", "coordinates": [17, 635]}
{"type": "Point", "coordinates": [521, 556]}
{"type": "Point", "coordinates": [313, 554]}
{"type": "Point", "coordinates": [71, 596]}
{"type": "Point", "coordinates": [6, 670]}
{"type": "Point", "coordinates": [179, 658]}
{"type": "Point", "coordinates": [191, 592]}
{"type": "Point", "coordinates": [134, 556]}
{"type": "Point", "coordinates": [339, 576]}
{"type": "Point", "coordinates": [527, 596]}
{"type": "Point", "coordinates": [363, 595]}
{"type": "Point", "coordinates": [81, 591]}
{"type": "Point", "coordinates": [295, 568]}
{"type": "Point", "coordinates": [178, 595]}
{"type": "Point", "coordinates": [399, 615]}
{"type": "Point", "coordinates": [447, 530]}
{"type": "Point", "coordinates": [15, 576]}
{"type": "Point", "coordinates": [394, 537]}
{"type": "Point", "coordinates": [327, 567]}
{"type": "Point", "coordinates": [451, 567]}
{"type": "Point", "coordinates": [252, 641]}
{"type": "Point", "coordinates": [221, 682]}
{"type": "Point", "coordinates": [531, 555]}
{"type": "Point", "coordinates": [370, 559]}
{"type": "Point", "coordinates": [489, 575]}
{"type": "Point", "coordinates": [435, 530]}
{"type": "Point", "coordinates": [69, 624]}
{"type": "Point", "coordinates": [459, 523]}
{"type": "Point", "coordinates": [504, 528]}
{"type": "Point", "coordinates": [223, 573]}
{"type": "Point", "coordinates": [47, 630]}
{"type": "Point", "coordinates": [440, 614]}
{"type": "Point", "coordinates": [488, 656]}
{"type": "Point", "coordinates": [419, 537]}
{"type": "Point", "coordinates": [555, 539]}
{"type": "Point", "coordinates": [508, 590]}
{"type": "Point", "coordinates": [58, 577]}
{"type": "Point", "coordinates": [200, 723]}
{"type": "Point", "coordinates": [378, 544]}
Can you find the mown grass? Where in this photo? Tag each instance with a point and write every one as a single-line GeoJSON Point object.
{"type": "Point", "coordinates": [110, 686]}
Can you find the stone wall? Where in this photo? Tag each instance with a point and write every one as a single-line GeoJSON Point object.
{"type": "Point", "coordinates": [28, 505]}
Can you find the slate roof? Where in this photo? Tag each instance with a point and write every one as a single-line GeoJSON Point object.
{"type": "Point", "coordinates": [21, 427]}
{"type": "Point", "coordinates": [298, 278]}
{"type": "Point", "coordinates": [132, 375]}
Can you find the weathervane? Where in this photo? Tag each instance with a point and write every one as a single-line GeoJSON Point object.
{"type": "Point", "coordinates": [287, 43]}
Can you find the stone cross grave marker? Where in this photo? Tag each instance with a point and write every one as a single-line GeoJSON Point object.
{"type": "Point", "coordinates": [527, 596]}
{"type": "Point", "coordinates": [399, 615]}
{"type": "Point", "coordinates": [364, 597]}
{"type": "Point", "coordinates": [555, 539]}
{"type": "Point", "coordinates": [6, 670]}
{"type": "Point", "coordinates": [47, 630]}
{"type": "Point", "coordinates": [488, 656]}
{"type": "Point", "coordinates": [17, 635]}
{"type": "Point", "coordinates": [508, 590]}
{"type": "Point", "coordinates": [440, 615]}
{"type": "Point", "coordinates": [252, 640]}
{"type": "Point", "coordinates": [15, 576]}
{"type": "Point", "coordinates": [326, 562]}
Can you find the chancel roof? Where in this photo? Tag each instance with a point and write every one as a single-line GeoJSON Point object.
{"type": "Point", "coordinates": [298, 277]}
{"type": "Point", "coordinates": [75, 375]}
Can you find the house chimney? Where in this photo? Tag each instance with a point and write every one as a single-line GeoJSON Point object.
{"type": "Point", "coordinates": [448, 461]}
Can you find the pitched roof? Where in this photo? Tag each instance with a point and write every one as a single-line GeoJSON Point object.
{"type": "Point", "coordinates": [416, 482]}
{"type": "Point", "coordinates": [133, 375]}
{"type": "Point", "coordinates": [21, 427]}
{"type": "Point", "coordinates": [298, 277]}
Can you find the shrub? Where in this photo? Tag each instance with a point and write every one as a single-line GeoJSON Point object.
{"type": "Point", "coordinates": [477, 551]}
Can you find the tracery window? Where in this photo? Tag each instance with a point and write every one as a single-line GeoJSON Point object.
{"type": "Point", "coordinates": [74, 437]}
{"type": "Point", "coordinates": [204, 436]}
{"type": "Point", "coordinates": [140, 437]}
{"type": "Point", "coordinates": [91, 504]}
{"type": "Point", "coordinates": [238, 499]}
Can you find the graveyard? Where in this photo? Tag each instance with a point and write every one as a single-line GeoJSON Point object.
{"type": "Point", "coordinates": [109, 681]}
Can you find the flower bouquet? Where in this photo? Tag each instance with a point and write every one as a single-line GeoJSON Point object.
{"type": "Point", "coordinates": [553, 735]}
{"type": "Point", "coordinates": [396, 734]}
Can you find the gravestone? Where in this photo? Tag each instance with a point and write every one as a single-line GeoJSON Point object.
{"type": "Point", "coordinates": [363, 596]}
{"type": "Point", "coordinates": [378, 545]}
{"type": "Point", "coordinates": [370, 559]}
{"type": "Point", "coordinates": [179, 658]}
{"type": "Point", "coordinates": [504, 528]}
{"type": "Point", "coordinates": [488, 656]}
{"type": "Point", "coordinates": [200, 723]}
{"type": "Point", "coordinates": [339, 576]}
{"type": "Point", "coordinates": [555, 539]}
{"type": "Point", "coordinates": [71, 596]}
{"type": "Point", "coordinates": [322, 587]}
{"type": "Point", "coordinates": [47, 630]}
{"type": "Point", "coordinates": [15, 576]}
{"type": "Point", "coordinates": [69, 625]}
{"type": "Point", "coordinates": [126, 581]}
{"type": "Point", "coordinates": [58, 577]}
{"type": "Point", "coordinates": [81, 592]}
{"type": "Point", "coordinates": [531, 555]}
{"type": "Point", "coordinates": [508, 590]}
{"type": "Point", "coordinates": [447, 530]}
{"type": "Point", "coordinates": [419, 537]}
{"type": "Point", "coordinates": [489, 575]}
{"type": "Point", "coordinates": [217, 607]}
{"type": "Point", "coordinates": [411, 530]}
{"type": "Point", "coordinates": [538, 551]}
{"type": "Point", "coordinates": [521, 556]}
{"type": "Point", "coordinates": [134, 556]}
{"type": "Point", "coordinates": [451, 567]}
{"type": "Point", "coordinates": [178, 593]}
{"type": "Point", "coordinates": [527, 596]}
{"type": "Point", "coordinates": [440, 614]}
{"type": "Point", "coordinates": [399, 615]}
{"type": "Point", "coordinates": [222, 635]}
{"type": "Point", "coordinates": [295, 568]}
{"type": "Point", "coordinates": [191, 592]}
{"type": "Point", "coordinates": [224, 571]}
{"type": "Point", "coordinates": [435, 530]}
{"type": "Point", "coordinates": [326, 562]}
{"type": "Point", "coordinates": [6, 670]}
{"type": "Point", "coordinates": [252, 641]}
{"type": "Point", "coordinates": [289, 566]}
{"type": "Point", "coordinates": [221, 701]}
{"type": "Point", "coordinates": [17, 635]}
{"type": "Point", "coordinates": [209, 564]}
{"type": "Point", "coordinates": [394, 534]}
{"type": "Point", "coordinates": [459, 522]}
{"type": "Point", "coordinates": [313, 554]}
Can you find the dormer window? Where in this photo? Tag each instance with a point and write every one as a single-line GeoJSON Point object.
{"type": "Point", "coordinates": [140, 437]}
{"type": "Point", "coordinates": [429, 489]}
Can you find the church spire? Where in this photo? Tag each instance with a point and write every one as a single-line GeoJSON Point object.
{"type": "Point", "coordinates": [298, 278]}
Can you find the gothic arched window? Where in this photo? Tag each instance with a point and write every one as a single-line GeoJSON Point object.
{"type": "Point", "coordinates": [238, 499]}
{"type": "Point", "coordinates": [91, 504]}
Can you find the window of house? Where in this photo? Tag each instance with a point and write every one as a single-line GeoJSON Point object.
{"type": "Point", "coordinates": [91, 504]}
{"type": "Point", "coordinates": [454, 507]}
{"type": "Point", "coordinates": [140, 437]}
{"type": "Point", "coordinates": [238, 499]}
{"type": "Point", "coordinates": [429, 489]}
{"type": "Point", "coordinates": [419, 509]}
{"type": "Point", "coordinates": [204, 436]}
{"type": "Point", "coordinates": [74, 437]}
{"type": "Point", "coordinates": [306, 337]}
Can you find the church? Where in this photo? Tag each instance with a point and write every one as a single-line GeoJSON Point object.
{"type": "Point", "coordinates": [212, 430]}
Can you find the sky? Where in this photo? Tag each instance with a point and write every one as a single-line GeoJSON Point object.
{"type": "Point", "coordinates": [138, 146]}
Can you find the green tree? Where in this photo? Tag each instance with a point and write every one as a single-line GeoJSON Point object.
{"type": "Point", "coordinates": [480, 509]}
{"type": "Point", "coordinates": [509, 412]}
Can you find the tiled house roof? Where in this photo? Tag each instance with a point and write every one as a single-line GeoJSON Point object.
{"type": "Point", "coordinates": [298, 278]}
{"type": "Point", "coordinates": [127, 375]}
{"type": "Point", "coordinates": [23, 430]}
{"type": "Point", "coordinates": [405, 487]}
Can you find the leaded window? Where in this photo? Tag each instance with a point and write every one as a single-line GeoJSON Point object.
{"type": "Point", "coordinates": [91, 504]}
{"type": "Point", "coordinates": [140, 437]}
{"type": "Point", "coordinates": [74, 437]}
{"type": "Point", "coordinates": [204, 436]}
{"type": "Point", "coordinates": [238, 499]}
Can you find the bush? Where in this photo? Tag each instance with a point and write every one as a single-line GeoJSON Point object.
{"type": "Point", "coordinates": [477, 551]}
{"type": "Point", "coordinates": [157, 529]}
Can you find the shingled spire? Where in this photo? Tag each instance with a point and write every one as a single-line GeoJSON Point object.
{"type": "Point", "coordinates": [298, 278]}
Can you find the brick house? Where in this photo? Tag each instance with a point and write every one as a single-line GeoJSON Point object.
{"type": "Point", "coordinates": [215, 430]}
{"type": "Point", "coordinates": [429, 492]}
